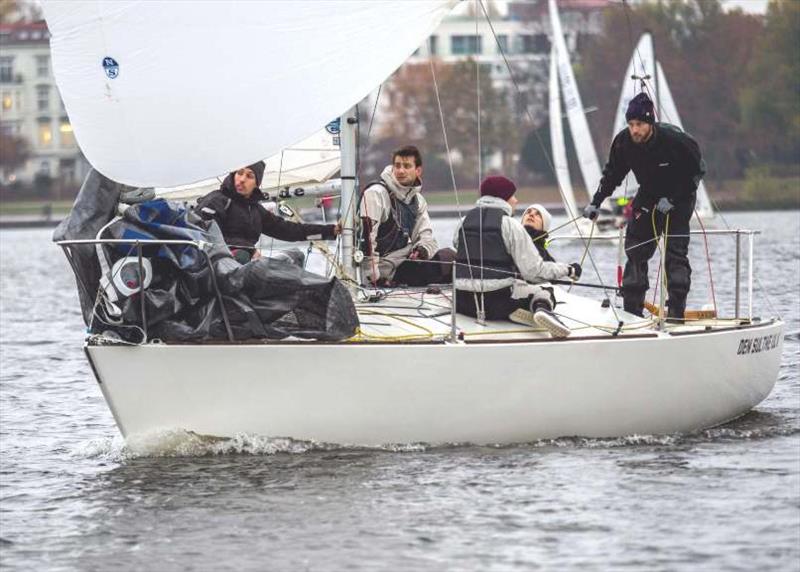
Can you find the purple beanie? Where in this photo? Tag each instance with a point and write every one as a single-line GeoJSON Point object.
{"type": "Point", "coordinates": [498, 186]}
{"type": "Point", "coordinates": [641, 108]}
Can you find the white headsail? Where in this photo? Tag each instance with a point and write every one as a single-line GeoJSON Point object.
{"type": "Point", "coordinates": [579, 127]}
{"type": "Point", "coordinates": [163, 94]}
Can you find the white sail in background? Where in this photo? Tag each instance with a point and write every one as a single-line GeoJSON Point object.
{"type": "Point", "coordinates": [669, 113]}
{"type": "Point", "coordinates": [579, 127]}
{"type": "Point", "coordinates": [558, 147]}
{"type": "Point", "coordinates": [642, 64]}
{"type": "Point", "coordinates": [163, 94]}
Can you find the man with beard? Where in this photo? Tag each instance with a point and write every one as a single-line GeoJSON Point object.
{"type": "Point", "coordinates": [397, 233]}
{"type": "Point", "coordinates": [237, 209]}
{"type": "Point", "coordinates": [668, 167]}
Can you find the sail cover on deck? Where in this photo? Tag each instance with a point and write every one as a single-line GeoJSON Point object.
{"type": "Point", "coordinates": [166, 93]}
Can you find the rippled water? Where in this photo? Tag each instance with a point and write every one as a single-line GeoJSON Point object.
{"type": "Point", "coordinates": [74, 496]}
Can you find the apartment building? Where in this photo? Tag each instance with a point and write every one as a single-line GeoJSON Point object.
{"type": "Point", "coordinates": [31, 108]}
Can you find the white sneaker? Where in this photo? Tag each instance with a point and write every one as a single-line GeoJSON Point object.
{"type": "Point", "coordinates": [547, 320]}
{"type": "Point", "coordinates": [523, 317]}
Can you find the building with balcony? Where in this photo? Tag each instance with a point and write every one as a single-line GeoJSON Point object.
{"type": "Point", "coordinates": [31, 108]}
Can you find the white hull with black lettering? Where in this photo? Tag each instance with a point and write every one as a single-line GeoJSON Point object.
{"type": "Point", "coordinates": [504, 384]}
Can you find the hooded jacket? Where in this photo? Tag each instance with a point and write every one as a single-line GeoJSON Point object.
{"type": "Point", "coordinates": [668, 165]}
{"type": "Point", "coordinates": [376, 205]}
{"type": "Point", "coordinates": [519, 245]}
{"type": "Point", "coordinates": [243, 220]}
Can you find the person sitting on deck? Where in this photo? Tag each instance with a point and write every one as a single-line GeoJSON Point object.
{"type": "Point", "coordinates": [493, 252]}
{"type": "Point", "coordinates": [397, 233]}
{"type": "Point", "coordinates": [536, 220]}
{"type": "Point", "coordinates": [237, 209]}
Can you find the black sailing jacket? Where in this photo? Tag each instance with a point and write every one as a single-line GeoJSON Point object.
{"type": "Point", "coordinates": [244, 220]}
{"type": "Point", "coordinates": [668, 165]}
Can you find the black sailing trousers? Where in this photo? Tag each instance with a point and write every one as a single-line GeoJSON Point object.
{"type": "Point", "coordinates": [640, 247]}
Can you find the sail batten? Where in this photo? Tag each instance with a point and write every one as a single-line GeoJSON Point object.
{"type": "Point", "coordinates": [163, 95]}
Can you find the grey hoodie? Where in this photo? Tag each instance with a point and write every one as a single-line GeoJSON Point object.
{"type": "Point", "coordinates": [376, 205]}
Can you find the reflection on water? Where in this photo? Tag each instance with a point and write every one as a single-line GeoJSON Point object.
{"type": "Point", "coordinates": [75, 496]}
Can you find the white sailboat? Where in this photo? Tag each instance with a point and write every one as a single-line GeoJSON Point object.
{"type": "Point", "coordinates": [561, 74]}
{"type": "Point", "coordinates": [645, 67]}
{"type": "Point", "coordinates": [415, 371]}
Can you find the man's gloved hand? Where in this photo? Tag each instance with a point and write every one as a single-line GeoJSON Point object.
{"type": "Point", "coordinates": [419, 253]}
{"type": "Point", "coordinates": [664, 205]}
{"type": "Point", "coordinates": [575, 271]}
{"type": "Point", "coordinates": [591, 212]}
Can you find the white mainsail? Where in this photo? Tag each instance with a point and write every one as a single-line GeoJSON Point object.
{"type": "Point", "coordinates": [643, 63]}
{"type": "Point", "coordinates": [557, 144]}
{"type": "Point", "coordinates": [163, 94]}
{"type": "Point", "coordinates": [579, 127]}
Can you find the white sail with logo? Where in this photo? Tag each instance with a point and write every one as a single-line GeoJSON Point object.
{"type": "Point", "coordinates": [160, 94]}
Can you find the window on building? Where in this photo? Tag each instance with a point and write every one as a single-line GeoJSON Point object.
{"type": "Point", "coordinates": [42, 97]}
{"type": "Point", "coordinates": [44, 168]}
{"type": "Point", "coordinates": [42, 66]}
{"type": "Point", "coordinates": [534, 44]}
{"type": "Point", "coordinates": [45, 133]}
{"type": "Point", "coordinates": [465, 45]}
{"type": "Point", "coordinates": [6, 69]}
{"type": "Point", "coordinates": [502, 43]}
{"type": "Point", "coordinates": [66, 134]}
{"type": "Point", "coordinates": [8, 102]}
{"type": "Point", "coordinates": [433, 46]}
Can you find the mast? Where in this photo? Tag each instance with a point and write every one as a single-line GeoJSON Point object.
{"type": "Point", "coordinates": [348, 131]}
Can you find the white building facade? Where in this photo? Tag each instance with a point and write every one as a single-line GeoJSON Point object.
{"type": "Point", "coordinates": [31, 108]}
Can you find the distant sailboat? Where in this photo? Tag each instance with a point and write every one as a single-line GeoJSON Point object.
{"type": "Point", "coordinates": [561, 74]}
{"type": "Point", "coordinates": [645, 67]}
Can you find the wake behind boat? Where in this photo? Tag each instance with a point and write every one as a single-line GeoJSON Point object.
{"type": "Point", "coordinates": [411, 370]}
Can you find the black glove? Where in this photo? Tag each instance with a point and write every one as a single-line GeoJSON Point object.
{"type": "Point", "coordinates": [591, 212]}
{"type": "Point", "coordinates": [575, 271]}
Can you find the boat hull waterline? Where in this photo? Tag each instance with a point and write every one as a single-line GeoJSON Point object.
{"type": "Point", "coordinates": [374, 394]}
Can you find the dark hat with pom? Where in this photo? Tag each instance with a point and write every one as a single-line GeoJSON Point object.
{"type": "Point", "coordinates": [641, 108]}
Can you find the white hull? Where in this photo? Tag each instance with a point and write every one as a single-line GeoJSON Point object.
{"type": "Point", "coordinates": [503, 392]}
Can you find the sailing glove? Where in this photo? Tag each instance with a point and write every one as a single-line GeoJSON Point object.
{"type": "Point", "coordinates": [664, 205]}
{"type": "Point", "coordinates": [591, 212]}
{"type": "Point", "coordinates": [575, 271]}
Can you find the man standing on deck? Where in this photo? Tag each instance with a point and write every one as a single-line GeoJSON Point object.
{"type": "Point", "coordinates": [397, 233]}
{"type": "Point", "coordinates": [668, 167]}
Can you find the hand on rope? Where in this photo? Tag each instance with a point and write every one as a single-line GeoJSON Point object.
{"type": "Point", "coordinates": [575, 271]}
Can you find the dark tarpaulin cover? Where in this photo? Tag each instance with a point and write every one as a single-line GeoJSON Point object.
{"type": "Point", "coordinates": [265, 298]}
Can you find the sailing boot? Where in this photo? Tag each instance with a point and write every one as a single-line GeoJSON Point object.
{"type": "Point", "coordinates": [544, 318]}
